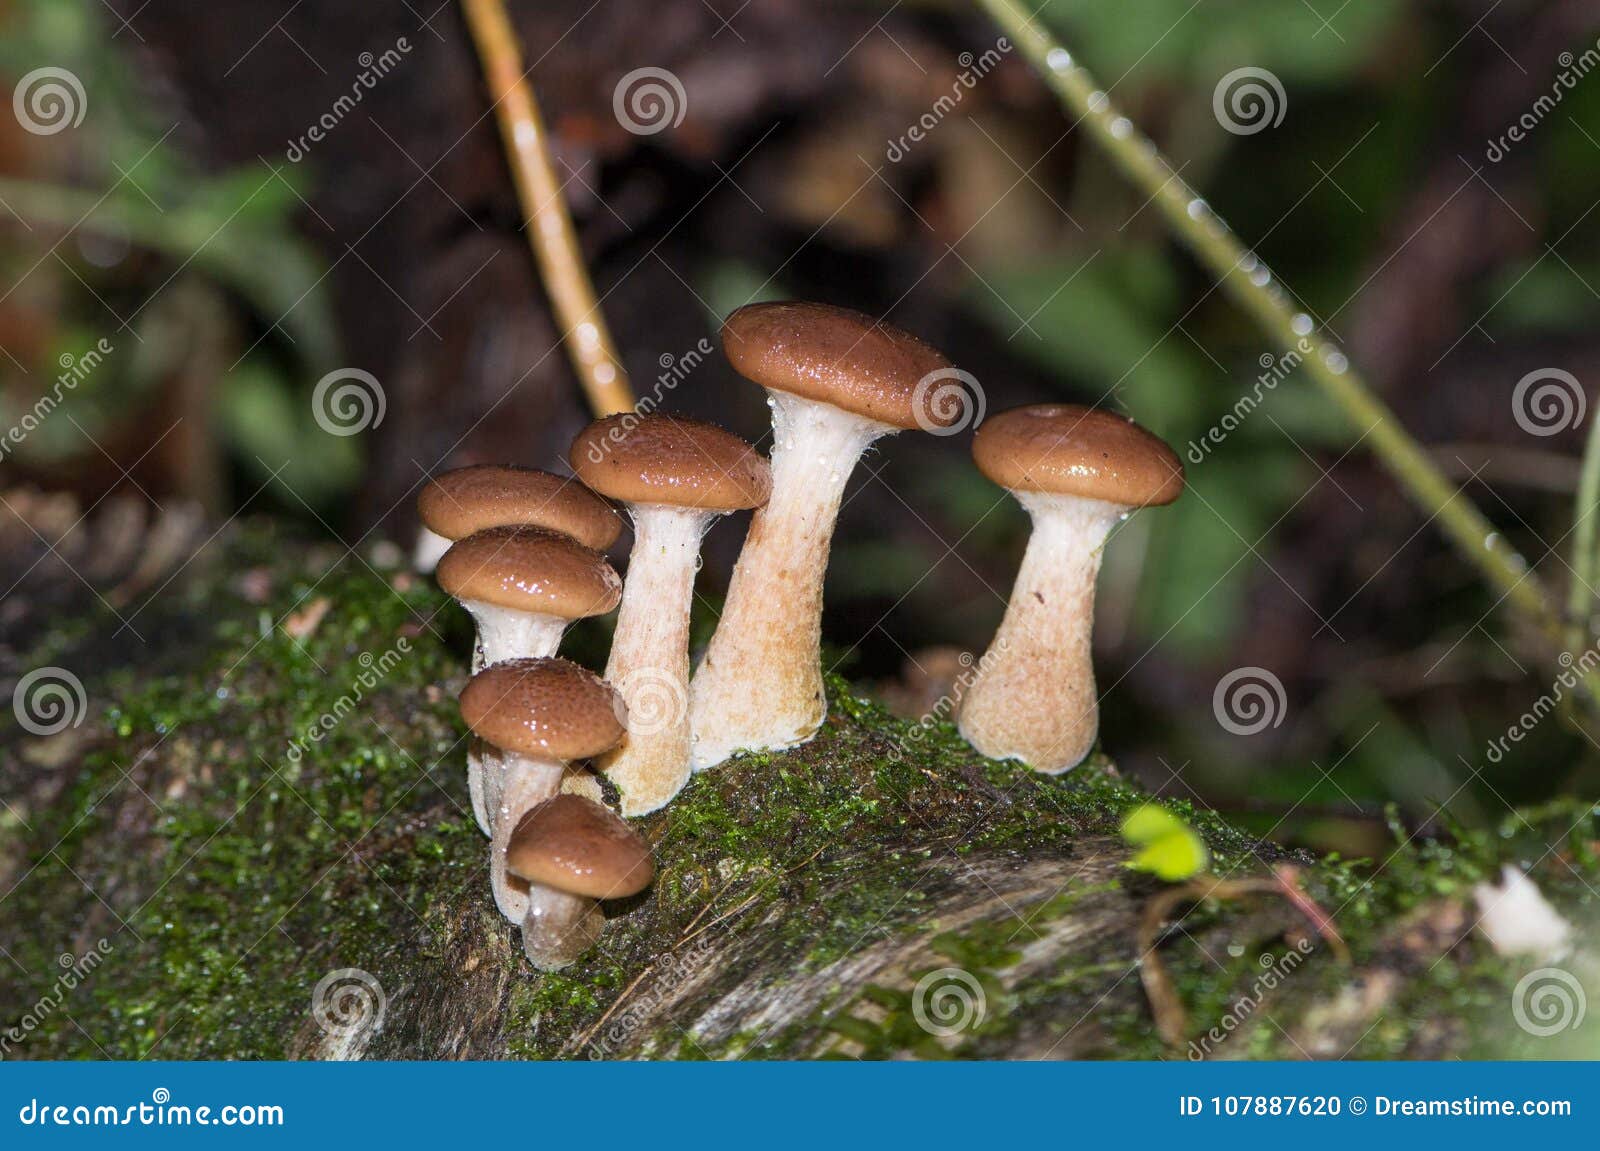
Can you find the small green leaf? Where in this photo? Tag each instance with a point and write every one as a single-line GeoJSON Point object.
{"type": "Point", "coordinates": [1172, 849]}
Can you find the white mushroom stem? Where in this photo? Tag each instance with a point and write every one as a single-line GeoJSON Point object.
{"type": "Point", "coordinates": [760, 684]}
{"type": "Point", "coordinates": [559, 926]}
{"type": "Point", "coordinates": [429, 550]}
{"type": "Point", "coordinates": [649, 661]}
{"type": "Point", "coordinates": [1033, 697]}
{"type": "Point", "coordinates": [504, 634]}
{"type": "Point", "coordinates": [525, 782]}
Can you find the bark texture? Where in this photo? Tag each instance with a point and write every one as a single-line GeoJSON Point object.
{"type": "Point", "coordinates": [257, 823]}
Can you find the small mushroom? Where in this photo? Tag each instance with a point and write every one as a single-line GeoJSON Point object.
{"type": "Point", "coordinates": [454, 504]}
{"type": "Point", "coordinates": [523, 586]}
{"type": "Point", "coordinates": [676, 476]}
{"type": "Point", "coordinates": [1077, 471]}
{"type": "Point", "coordinates": [572, 853]}
{"type": "Point", "coordinates": [836, 380]}
{"type": "Point", "coordinates": [538, 715]}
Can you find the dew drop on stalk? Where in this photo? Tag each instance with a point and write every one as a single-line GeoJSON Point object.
{"type": "Point", "coordinates": [1058, 59]}
{"type": "Point", "coordinates": [1302, 324]}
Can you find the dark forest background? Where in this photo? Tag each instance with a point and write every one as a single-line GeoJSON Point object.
{"type": "Point", "coordinates": [231, 269]}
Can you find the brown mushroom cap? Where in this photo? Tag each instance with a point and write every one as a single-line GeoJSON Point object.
{"type": "Point", "coordinates": [457, 503]}
{"type": "Point", "coordinates": [575, 845]}
{"type": "Point", "coordinates": [1071, 450]}
{"type": "Point", "coordinates": [658, 459]}
{"type": "Point", "coordinates": [531, 570]}
{"type": "Point", "coordinates": [544, 707]}
{"type": "Point", "coordinates": [835, 356]}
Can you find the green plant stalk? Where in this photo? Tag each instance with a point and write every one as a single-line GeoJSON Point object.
{"type": "Point", "coordinates": [1247, 281]}
{"type": "Point", "coordinates": [1580, 600]}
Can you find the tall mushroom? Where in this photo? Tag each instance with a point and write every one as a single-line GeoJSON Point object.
{"type": "Point", "coordinates": [454, 504]}
{"type": "Point", "coordinates": [1077, 471]}
{"type": "Point", "coordinates": [676, 476]}
{"type": "Point", "coordinates": [524, 587]}
{"type": "Point", "coordinates": [538, 715]}
{"type": "Point", "coordinates": [836, 380]}
{"type": "Point", "coordinates": [572, 853]}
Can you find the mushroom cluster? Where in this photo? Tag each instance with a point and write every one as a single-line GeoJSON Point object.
{"type": "Point", "coordinates": [521, 550]}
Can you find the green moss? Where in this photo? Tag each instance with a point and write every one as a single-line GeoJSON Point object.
{"type": "Point", "coordinates": [230, 872]}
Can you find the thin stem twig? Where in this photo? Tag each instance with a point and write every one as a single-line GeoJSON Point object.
{"type": "Point", "coordinates": [1248, 281]}
{"type": "Point", "coordinates": [549, 224]}
{"type": "Point", "coordinates": [1580, 597]}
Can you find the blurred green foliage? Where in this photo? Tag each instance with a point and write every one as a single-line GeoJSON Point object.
{"type": "Point", "coordinates": [129, 188]}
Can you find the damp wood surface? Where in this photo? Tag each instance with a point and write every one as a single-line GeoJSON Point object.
{"type": "Point", "coordinates": [801, 899]}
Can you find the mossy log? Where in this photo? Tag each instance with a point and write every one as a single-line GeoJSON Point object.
{"type": "Point", "coordinates": [262, 802]}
